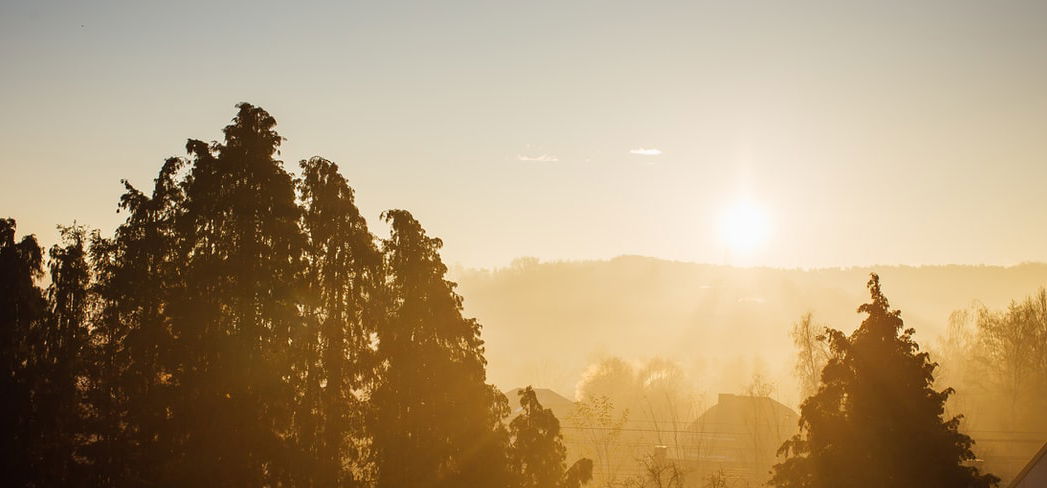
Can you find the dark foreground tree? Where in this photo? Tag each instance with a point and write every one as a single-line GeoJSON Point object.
{"type": "Point", "coordinates": [334, 360]}
{"type": "Point", "coordinates": [876, 420]}
{"type": "Point", "coordinates": [243, 329]}
{"type": "Point", "coordinates": [437, 423]}
{"type": "Point", "coordinates": [137, 271]}
{"type": "Point", "coordinates": [236, 311]}
{"type": "Point", "coordinates": [21, 311]}
{"type": "Point", "coordinates": [537, 454]}
{"type": "Point", "coordinates": [58, 357]}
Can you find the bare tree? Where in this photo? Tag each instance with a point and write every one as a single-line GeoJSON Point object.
{"type": "Point", "coordinates": [656, 472]}
{"type": "Point", "coordinates": [602, 424]}
{"type": "Point", "coordinates": [1013, 357]}
{"type": "Point", "coordinates": [812, 353]}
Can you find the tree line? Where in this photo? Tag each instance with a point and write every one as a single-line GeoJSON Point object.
{"type": "Point", "coordinates": [876, 412]}
{"type": "Point", "coordinates": [1000, 357]}
{"type": "Point", "coordinates": [243, 327]}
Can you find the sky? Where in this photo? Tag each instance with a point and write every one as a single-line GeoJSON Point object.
{"type": "Point", "coordinates": [786, 134]}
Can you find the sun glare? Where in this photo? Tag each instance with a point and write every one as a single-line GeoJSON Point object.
{"type": "Point", "coordinates": [744, 227]}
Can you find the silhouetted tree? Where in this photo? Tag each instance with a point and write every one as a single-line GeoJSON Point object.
{"type": "Point", "coordinates": [334, 359]}
{"type": "Point", "coordinates": [22, 308]}
{"type": "Point", "coordinates": [236, 311]}
{"type": "Point", "coordinates": [229, 334]}
{"type": "Point", "coordinates": [57, 362]}
{"type": "Point", "coordinates": [537, 454]}
{"type": "Point", "coordinates": [876, 420]}
{"type": "Point", "coordinates": [137, 271]}
{"type": "Point", "coordinates": [437, 423]}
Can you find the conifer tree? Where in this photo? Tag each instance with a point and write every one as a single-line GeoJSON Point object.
{"type": "Point", "coordinates": [537, 454]}
{"type": "Point", "coordinates": [334, 359]}
{"type": "Point", "coordinates": [234, 316]}
{"type": "Point", "coordinates": [22, 308]}
{"type": "Point", "coordinates": [57, 361]}
{"type": "Point", "coordinates": [876, 419]}
{"type": "Point", "coordinates": [437, 423]}
{"type": "Point", "coordinates": [137, 271]}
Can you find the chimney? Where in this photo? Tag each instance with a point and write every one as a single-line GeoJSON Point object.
{"type": "Point", "coordinates": [661, 454]}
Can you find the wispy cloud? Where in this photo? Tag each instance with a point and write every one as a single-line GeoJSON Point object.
{"type": "Point", "coordinates": [644, 151]}
{"type": "Point", "coordinates": [544, 158]}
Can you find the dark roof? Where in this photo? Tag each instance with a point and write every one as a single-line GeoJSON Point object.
{"type": "Point", "coordinates": [1028, 467]}
{"type": "Point", "coordinates": [559, 404]}
{"type": "Point", "coordinates": [736, 414]}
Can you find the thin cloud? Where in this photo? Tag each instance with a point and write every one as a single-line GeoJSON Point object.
{"type": "Point", "coordinates": [544, 158]}
{"type": "Point", "coordinates": [643, 151]}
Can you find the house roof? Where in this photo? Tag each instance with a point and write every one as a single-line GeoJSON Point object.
{"type": "Point", "coordinates": [738, 414]}
{"type": "Point", "coordinates": [1039, 458]}
{"type": "Point", "coordinates": [559, 404]}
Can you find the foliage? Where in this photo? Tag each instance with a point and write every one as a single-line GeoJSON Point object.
{"type": "Point", "coordinates": [537, 454]}
{"type": "Point", "coordinates": [343, 305]}
{"type": "Point", "coordinates": [22, 308]}
{"type": "Point", "coordinates": [436, 420]}
{"type": "Point", "coordinates": [875, 419]}
{"type": "Point", "coordinates": [242, 328]}
{"type": "Point", "coordinates": [130, 393]}
{"type": "Point", "coordinates": [235, 310]}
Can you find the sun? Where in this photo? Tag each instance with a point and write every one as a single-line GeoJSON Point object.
{"type": "Point", "coordinates": [744, 227]}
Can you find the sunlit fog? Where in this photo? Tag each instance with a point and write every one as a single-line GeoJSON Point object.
{"type": "Point", "coordinates": [545, 244]}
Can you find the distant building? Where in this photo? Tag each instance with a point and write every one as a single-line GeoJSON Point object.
{"type": "Point", "coordinates": [560, 405]}
{"type": "Point", "coordinates": [1034, 475]}
{"type": "Point", "coordinates": [739, 437]}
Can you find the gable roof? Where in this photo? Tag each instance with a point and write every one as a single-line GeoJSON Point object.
{"type": "Point", "coordinates": [737, 414]}
{"type": "Point", "coordinates": [560, 405]}
{"type": "Point", "coordinates": [1040, 457]}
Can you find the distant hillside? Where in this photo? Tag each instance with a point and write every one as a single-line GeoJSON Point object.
{"type": "Point", "coordinates": [545, 322]}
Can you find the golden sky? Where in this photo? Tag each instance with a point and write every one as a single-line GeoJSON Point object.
{"type": "Point", "coordinates": [836, 133]}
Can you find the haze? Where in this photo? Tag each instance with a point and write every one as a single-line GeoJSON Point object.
{"type": "Point", "coordinates": [602, 128]}
{"type": "Point", "coordinates": [543, 244]}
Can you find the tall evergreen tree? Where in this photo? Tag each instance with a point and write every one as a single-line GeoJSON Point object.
{"type": "Point", "coordinates": [136, 270]}
{"type": "Point", "coordinates": [876, 420]}
{"type": "Point", "coordinates": [22, 308]}
{"type": "Point", "coordinates": [537, 454]}
{"type": "Point", "coordinates": [58, 363]}
{"type": "Point", "coordinates": [437, 423]}
{"type": "Point", "coordinates": [234, 318]}
{"type": "Point", "coordinates": [334, 359]}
